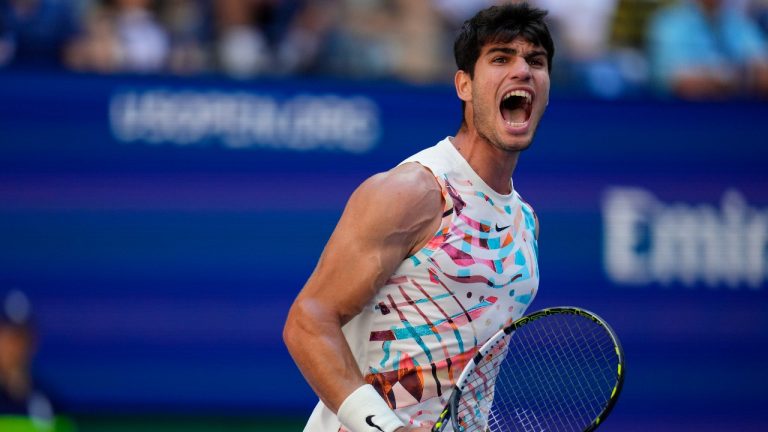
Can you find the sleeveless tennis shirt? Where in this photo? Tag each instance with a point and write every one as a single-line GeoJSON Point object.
{"type": "Point", "coordinates": [478, 273]}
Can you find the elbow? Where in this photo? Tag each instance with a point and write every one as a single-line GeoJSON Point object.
{"type": "Point", "coordinates": [301, 324]}
{"type": "Point", "coordinates": [309, 320]}
{"type": "Point", "coordinates": [292, 328]}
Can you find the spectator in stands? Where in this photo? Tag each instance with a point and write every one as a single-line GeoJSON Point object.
{"type": "Point", "coordinates": [361, 44]}
{"type": "Point", "coordinates": [33, 33]}
{"type": "Point", "coordinates": [458, 11]}
{"type": "Point", "coordinates": [759, 9]}
{"type": "Point", "coordinates": [94, 49]}
{"type": "Point", "coordinates": [583, 27]}
{"type": "Point", "coordinates": [630, 22]}
{"type": "Point", "coordinates": [188, 31]}
{"type": "Point", "coordinates": [121, 36]}
{"type": "Point", "coordinates": [582, 30]}
{"type": "Point", "coordinates": [390, 39]}
{"type": "Point", "coordinates": [241, 45]}
{"type": "Point", "coordinates": [705, 49]}
{"type": "Point", "coordinates": [143, 42]}
{"type": "Point", "coordinates": [18, 393]}
{"type": "Point", "coordinates": [300, 48]}
{"type": "Point", "coordinates": [420, 52]}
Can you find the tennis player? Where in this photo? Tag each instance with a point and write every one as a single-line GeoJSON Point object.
{"type": "Point", "coordinates": [434, 256]}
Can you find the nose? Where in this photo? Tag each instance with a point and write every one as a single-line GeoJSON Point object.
{"type": "Point", "coordinates": [521, 70]}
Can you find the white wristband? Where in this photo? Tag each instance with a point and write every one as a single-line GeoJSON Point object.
{"type": "Point", "coordinates": [365, 411]}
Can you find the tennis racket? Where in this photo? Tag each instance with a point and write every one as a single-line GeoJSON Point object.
{"type": "Point", "coordinates": [556, 370]}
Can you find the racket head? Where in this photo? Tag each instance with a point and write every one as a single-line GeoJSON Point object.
{"type": "Point", "coordinates": [558, 369]}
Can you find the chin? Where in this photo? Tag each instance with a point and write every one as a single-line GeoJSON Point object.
{"type": "Point", "coordinates": [518, 147]}
{"type": "Point", "coordinates": [511, 146]}
{"type": "Point", "coordinates": [514, 143]}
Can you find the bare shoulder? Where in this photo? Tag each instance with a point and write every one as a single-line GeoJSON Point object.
{"type": "Point", "coordinates": [406, 191]}
{"type": "Point", "coordinates": [410, 175]}
{"type": "Point", "coordinates": [404, 203]}
{"type": "Point", "coordinates": [410, 178]}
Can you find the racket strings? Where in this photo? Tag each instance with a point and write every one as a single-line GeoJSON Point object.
{"type": "Point", "coordinates": [557, 376]}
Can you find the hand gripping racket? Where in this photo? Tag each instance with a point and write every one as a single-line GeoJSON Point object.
{"type": "Point", "coordinates": [556, 370]}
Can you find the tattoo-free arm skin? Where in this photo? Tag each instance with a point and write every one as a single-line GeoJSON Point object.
{"type": "Point", "coordinates": [389, 217]}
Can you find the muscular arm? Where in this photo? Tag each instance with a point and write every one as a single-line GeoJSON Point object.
{"type": "Point", "coordinates": [387, 218]}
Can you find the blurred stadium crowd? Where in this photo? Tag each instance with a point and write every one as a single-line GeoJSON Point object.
{"type": "Point", "coordinates": [609, 48]}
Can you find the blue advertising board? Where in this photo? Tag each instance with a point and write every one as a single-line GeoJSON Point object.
{"type": "Point", "coordinates": [162, 227]}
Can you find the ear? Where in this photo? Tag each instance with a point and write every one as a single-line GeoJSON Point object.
{"type": "Point", "coordinates": [463, 84]}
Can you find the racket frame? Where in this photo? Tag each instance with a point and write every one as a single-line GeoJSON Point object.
{"type": "Point", "coordinates": [453, 402]}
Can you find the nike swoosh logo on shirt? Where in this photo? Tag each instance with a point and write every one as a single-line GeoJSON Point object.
{"type": "Point", "coordinates": [500, 229]}
{"type": "Point", "coordinates": [370, 422]}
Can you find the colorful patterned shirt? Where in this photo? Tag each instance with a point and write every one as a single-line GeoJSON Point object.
{"type": "Point", "coordinates": [478, 273]}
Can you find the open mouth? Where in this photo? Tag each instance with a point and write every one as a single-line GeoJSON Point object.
{"type": "Point", "coordinates": [516, 108]}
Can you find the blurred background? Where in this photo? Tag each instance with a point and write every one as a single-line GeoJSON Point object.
{"type": "Point", "coordinates": [170, 171]}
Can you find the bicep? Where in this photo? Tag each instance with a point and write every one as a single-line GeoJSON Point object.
{"type": "Point", "coordinates": [349, 271]}
{"type": "Point", "coordinates": [381, 223]}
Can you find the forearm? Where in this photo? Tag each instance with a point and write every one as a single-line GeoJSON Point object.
{"type": "Point", "coordinates": [314, 338]}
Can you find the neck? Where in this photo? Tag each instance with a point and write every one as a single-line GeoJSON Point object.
{"type": "Point", "coordinates": [491, 163]}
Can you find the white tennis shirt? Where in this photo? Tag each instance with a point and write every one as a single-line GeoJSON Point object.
{"type": "Point", "coordinates": [478, 273]}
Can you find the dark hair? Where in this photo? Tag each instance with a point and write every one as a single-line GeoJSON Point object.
{"type": "Point", "coordinates": [501, 24]}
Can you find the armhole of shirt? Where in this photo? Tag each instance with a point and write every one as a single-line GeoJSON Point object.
{"type": "Point", "coordinates": [535, 230]}
{"type": "Point", "coordinates": [445, 218]}
{"type": "Point", "coordinates": [447, 200]}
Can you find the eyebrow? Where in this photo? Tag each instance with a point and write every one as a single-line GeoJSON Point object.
{"type": "Point", "coordinates": [512, 51]}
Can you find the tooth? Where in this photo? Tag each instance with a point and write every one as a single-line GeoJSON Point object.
{"type": "Point", "coordinates": [519, 93]}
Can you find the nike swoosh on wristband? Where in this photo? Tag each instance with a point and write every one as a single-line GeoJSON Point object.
{"type": "Point", "coordinates": [370, 422]}
{"type": "Point", "coordinates": [500, 229]}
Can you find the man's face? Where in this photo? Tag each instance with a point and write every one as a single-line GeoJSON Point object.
{"type": "Point", "coordinates": [509, 93]}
